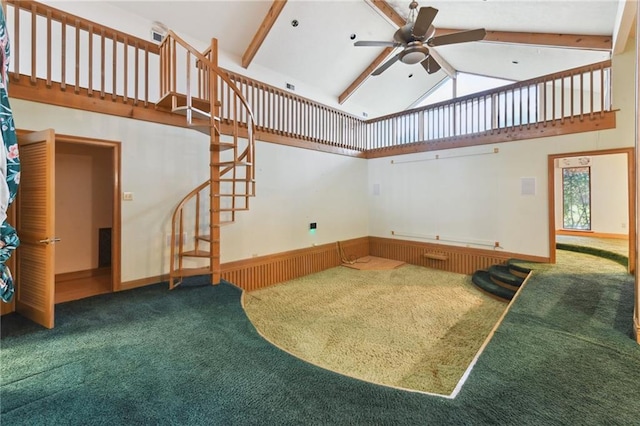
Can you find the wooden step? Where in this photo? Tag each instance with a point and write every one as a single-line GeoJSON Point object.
{"type": "Point", "coordinates": [238, 180]}
{"type": "Point", "coordinates": [224, 223]}
{"type": "Point", "coordinates": [221, 146]}
{"type": "Point", "coordinates": [206, 238]}
{"type": "Point", "coordinates": [234, 209]}
{"type": "Point", "coordinates": [196, 113]}
{"type": "Point", "coordinates": [192, 272]}
{"type": "Point", "coordinates": [196, 253]}
{"type": "Point", "coordinates": [172, 100]}
{"type": "Point", "coordinates": [232, 163]}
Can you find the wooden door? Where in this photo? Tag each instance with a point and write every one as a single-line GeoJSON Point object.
{"type": "Point", "coordinates": [35, 274]}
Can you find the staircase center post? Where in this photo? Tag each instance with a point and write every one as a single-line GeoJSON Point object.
{"type": "Point", "coordinates": [214, 165]}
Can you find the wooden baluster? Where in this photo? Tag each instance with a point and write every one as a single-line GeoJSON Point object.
{"type": "Point", "coordinates": [77, 82]}
{"type": "Point", "coordinates": [34, 44]}
{"type": "Point", "coordinates": [48, 82]}
{"type": "Point", "coordinates": [90, 80]}
{"type": "Point", "coordinates": [63, 61]}
{"type": "Point", "coordinates": [114, 70]}
{"type": "Point", "coordinates": [102, 63]}
{"type": "Point", "coordinates": [562, 100]}
{"type": "Point", "coordinates": [146, 75]}
{"type": "Point", "coordinates": [602, 76]}
{"type": "Point", "coordinates": [581, 96]}
{"type": "Point", "coordinates": [136, 77]}
{"type": "Point", "coordinates": [591, 93]}
{"type": "Point", "coordinates": [125, 77]}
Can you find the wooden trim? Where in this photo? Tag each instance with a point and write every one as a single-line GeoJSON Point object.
{"type": "Point", "coordinates": [388, 11]}
{"type": "Point", "coordinates": [577, 41]}
{"type": "Point", "coordinates": [258, 272]}
{"type": "Point", "coordinates": [631, 194]}
{"type": "Point", "coordinates": [87, 273]}
{"type": "Point", "coordinates": [22, 88]}
{"type": "Point", "coordinates": [263, 31]}
{"type": "Point", "coordinates": [142, 282]}
{"type": "Point", "coordinates": [636, 328]}
{"type": "Point", "coordinates": [577, 233]}
{"type": "Point", "coordinates": [515, 133]}
{"type": "Point", "coordinates": [462, 260]}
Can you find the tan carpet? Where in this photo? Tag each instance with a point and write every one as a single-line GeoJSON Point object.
{"type": "Point", "coordinates": [410, 327]}
{"type": "Point", "coordinates": [373, 263]}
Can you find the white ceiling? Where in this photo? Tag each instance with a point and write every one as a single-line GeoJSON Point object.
{"type": "Point", "coordinates": [320, 54]}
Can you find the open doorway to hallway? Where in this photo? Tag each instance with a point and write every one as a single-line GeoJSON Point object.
{"type": "Point", "coordinates": [592, 201]}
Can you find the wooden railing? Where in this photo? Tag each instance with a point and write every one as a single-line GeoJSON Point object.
{"type": "Point", "coordinates": [577, 94]}
{"type": "Point", "coordinates": [57, 47]}
{"type": "Point", "coordinates": [59, 51]}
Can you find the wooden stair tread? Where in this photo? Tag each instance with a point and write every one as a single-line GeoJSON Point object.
{"type": "Point", "coordinates": [206, 238]}
{"type": "Point", "coordinates": [232, 163]}
{"type": "Point", "coordinates": [234, 209]}
{"type": "Point", "coordinates": [167, 101]}
{"type": "Point", "coordinates": [191, 272]}
{"type": "Point", "coordinates": [196, 253]}
{"type": "Point", "coordinates": [197, 114]}
{"type": "Point", "coordinates": [222, 146]}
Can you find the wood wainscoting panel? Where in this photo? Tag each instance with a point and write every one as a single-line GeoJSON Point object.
{"type": "Point", "coordinates": [263, 271]}
{"type": "Point", "coordinates": [462, 260]}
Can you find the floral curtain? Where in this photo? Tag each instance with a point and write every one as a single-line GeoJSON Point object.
{"type": "Point", "coordinates": [9, 168]}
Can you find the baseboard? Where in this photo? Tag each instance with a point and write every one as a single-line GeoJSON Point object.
{"type": "Point", "coordinates": [88, 273]}
{"type": "Point", "coordinates": [128, 285]}
{"type": "Point", "coordinates": [263, 271]}
{"type": "Point", "coordinates": [462, 260]}
{"type": "Point", "coordinates": [592, 234]}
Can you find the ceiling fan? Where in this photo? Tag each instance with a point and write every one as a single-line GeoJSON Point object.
{"type": "Point", "coordinates": [417, 36]}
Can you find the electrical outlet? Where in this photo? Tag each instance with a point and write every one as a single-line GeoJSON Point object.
{"type": "Point", "coordinates": [127, 196]}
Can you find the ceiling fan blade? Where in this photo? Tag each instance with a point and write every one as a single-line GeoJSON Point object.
{"type": "Point", "coordinates": [426, 15]}
{"type": "Point", "coordinates": [382, 68]}
{"type": "Point", "coordinates": [460, 37]}
{"type": "Point", "coordinates": [377, 43]}
{"type": "Point", "coordinates": [430, 65]}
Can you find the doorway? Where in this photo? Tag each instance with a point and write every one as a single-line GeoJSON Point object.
{"type": "Point", "coordinates": [613, 179]}
{"type": "Point", "coordinates": [88, 186]}
{"type": "Point", "coordinates": [87, 217]}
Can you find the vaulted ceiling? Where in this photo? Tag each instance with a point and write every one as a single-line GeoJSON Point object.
{"type": "Point", "coordinates": [317, 55]}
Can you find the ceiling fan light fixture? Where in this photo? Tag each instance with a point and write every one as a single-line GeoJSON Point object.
{"type": "Point", "coordinates": [414, 53]}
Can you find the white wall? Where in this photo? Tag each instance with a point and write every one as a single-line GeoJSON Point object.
{"type": "Point", "coordinates": [294, 188]}
{"type": "Point", "coordinates": [477, 198]}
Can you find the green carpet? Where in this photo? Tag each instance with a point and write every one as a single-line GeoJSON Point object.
{"type": "Point", "coordinates": [562, 356]}
{"type": "Point", "coordinates": [411, 327]}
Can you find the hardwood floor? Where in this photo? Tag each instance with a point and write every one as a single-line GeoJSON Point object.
{"type": "Point", "coordinates": [79, 287]}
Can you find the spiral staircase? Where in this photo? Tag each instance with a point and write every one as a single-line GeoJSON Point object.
{"type": "Point", "coordinates": [192, 85]}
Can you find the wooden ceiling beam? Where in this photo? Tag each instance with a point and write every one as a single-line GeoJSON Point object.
{"type": "Point", "coordinates": [387, 11]}
{"type": "Point", "coordinates": [571, 41]}
{"type": "Point", "coordinates": [263, 31]}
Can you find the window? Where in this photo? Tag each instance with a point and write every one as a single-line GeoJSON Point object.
{"type": "Point", "coordinates": [576, 195]}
